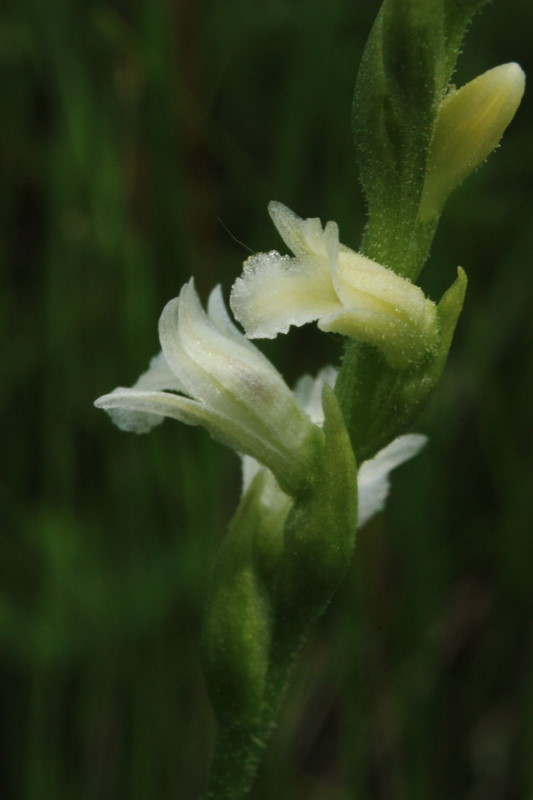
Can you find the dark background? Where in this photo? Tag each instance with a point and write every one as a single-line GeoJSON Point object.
{"type": "Point", "coordinates": [140, 143]}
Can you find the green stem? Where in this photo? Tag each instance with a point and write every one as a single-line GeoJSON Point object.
{"type": "Point", "coordinates": [236, 757]}
{"type": "Point", "coordinates": [240, 746]}
{"type": "Point", "coordinates": [402, 245]}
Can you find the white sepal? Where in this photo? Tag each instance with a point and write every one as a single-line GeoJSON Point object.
{"type": "Point", "coordinates": [373, 479]}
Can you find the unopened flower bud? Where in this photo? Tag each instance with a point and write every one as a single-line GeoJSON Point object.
{"type": "Point", "coordinates": [469, 125]}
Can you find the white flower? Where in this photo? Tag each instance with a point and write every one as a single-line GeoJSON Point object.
{"type": "Point", "coordinates": [346, 292]}
{"type": "Point", "coordinates": [231, 389]}
{"type": "Point", "coordinates": [373, 478]}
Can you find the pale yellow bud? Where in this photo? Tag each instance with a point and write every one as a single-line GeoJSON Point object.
{"type": "Point", "coordinates": [469, 125]}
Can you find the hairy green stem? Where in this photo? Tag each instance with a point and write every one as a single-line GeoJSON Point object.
{"type": "Point", "coordinates": [240, 746]}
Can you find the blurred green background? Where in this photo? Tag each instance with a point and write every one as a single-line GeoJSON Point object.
{"type": "Point", "coordinates": [140, 144]}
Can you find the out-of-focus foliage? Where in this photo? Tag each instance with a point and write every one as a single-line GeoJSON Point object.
{"type": "Point", "coordinates": [140, 145]}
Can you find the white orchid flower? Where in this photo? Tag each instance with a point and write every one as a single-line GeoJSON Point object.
{"type": "Point", "coordinates": [373, 478]}
{"type": "Point", "coordinates": [346, 292]}
{"type": "Point", "coordinates": [224, 383]}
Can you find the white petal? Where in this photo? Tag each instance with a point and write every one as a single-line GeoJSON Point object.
{"type": "Point", "coordinates": [217, 312]}
{"type": "Point", "coordinates": [381, 308]}
{"type": "Point", "coordinates": [191, 342]}
{"type": "Point", "coordinates": [128, 419]}
{"type": "Point", "coordinates": [308, 390]}
{"type": "Point", "coordinates": [224, 372]}
{"type": "Point", "coordinates": [275, 292]}
{"type": "Point", "coordinates": [210, 359]}
{"type": "Point", "coordinates": [397, 340]}
{"type": "Point", "coordinates": [250, 468]}
{"type": "Point", "coordinates": [361, 281]}
{"type": "Point", "coordinates": [137, 412]}
{"type": "Point", "coordinates": [234, 382]}
{"type": "Point", "coordinates": [272, 499]}
{"type": "Point", "coordinates": [303, 236]}
{"type": "Point", "coordinates": [373, 477]}
{"type": "Point", "coordinates": [159, 376]}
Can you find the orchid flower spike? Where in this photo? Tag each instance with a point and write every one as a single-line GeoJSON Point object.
{"type": "Point", "coordinates": [373, 477]}
{"type": "Point", "coordinates": [345, 291]}
{"type": "Point", "coordinates": [209, 374]}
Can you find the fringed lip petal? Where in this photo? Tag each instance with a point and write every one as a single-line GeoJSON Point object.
{"type": "Point", "coordinates": [275, 292]}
